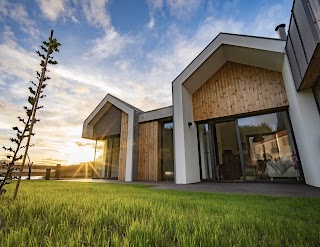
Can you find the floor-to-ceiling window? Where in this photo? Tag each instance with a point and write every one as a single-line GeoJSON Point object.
{"type": "Point", "coordinates": [167, 156]}
{"type": "Point", "coordinates": [206, 152]}
{"type": "Point", "coordinates": [268, 147]}
{"type": "Point", "coordinates": [228, 156]}
{"type": "Point", "coordinates": [259, 147]}
{"type": "Point", "coordinates": [106, 162]}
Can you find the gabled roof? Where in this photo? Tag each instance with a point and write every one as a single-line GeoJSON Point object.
{"type": "Point", "coordinates": [267, 53]}
{"type": "Point", "coordinates": [101, 109]}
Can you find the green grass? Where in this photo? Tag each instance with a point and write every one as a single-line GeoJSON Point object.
{"type": "Point", "coordinates": [52, 213]}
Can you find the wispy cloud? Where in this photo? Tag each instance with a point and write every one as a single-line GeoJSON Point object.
{"type": "Point", "coordinates": [112, 43]}
{"type": "Point", "coordinates": [268, 18]}
{"type": "Point", "coordinates": [96, 13]}
{"type": "Point", "coordinates": [155, 4]}
{"type": "Point", "coordinates": [151, 23]}
{"type": "Point", "coordinates": [18, 13]}
{"type": "Point", "coordinates": [183, 9]}
{"type": "Point", "coordinates": [51, 9]}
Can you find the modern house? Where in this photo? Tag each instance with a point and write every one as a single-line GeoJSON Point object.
{"type": "Point", "coordinates": [245, 109]}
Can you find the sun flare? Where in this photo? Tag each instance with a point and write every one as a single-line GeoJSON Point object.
{"type": "Point", "coordinates": [80, 154]}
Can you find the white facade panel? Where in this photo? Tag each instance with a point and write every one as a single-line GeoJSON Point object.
{"type": "Point", "coordinates": [187, 168]}
{"type": "Point", "coordinates": [305, 121]}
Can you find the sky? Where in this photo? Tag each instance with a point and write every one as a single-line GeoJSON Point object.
{"type": "Point", "coordinates": [132, 49]}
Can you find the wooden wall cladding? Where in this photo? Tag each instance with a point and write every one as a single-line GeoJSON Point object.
{"type": "Point", "coordinates": [237, 88]}
{"type": "Point", "coordinates": [149, 151]}
{"type": "Point", "coordinates": [123, 147]}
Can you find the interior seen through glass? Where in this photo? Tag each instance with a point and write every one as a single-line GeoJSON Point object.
{"type": "Point", "coordinates": [167, 151]}
{"type": "Point", "coordinates": [263, 142]}
{"type": "Point", "coordinates": [106, 162]}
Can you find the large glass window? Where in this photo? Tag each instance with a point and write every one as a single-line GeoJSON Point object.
{"type": "Point", "coordinates": [253, 148]}
{"type": "Point", "coordinates": [229, 165]}
{"type": "Point", "coordinates": [268, 147]}
{"type": "Point", "coordinates": [99, 160]}
{"type": "Point", "coordinates": [206, 152]}
{"type": "Point", "coordinates": [167, 151]}
{"type": "Point", "coordinates": [107, 158]}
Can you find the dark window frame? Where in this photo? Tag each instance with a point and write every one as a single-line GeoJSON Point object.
{"type": "Point", "coordinates": [162, 123]}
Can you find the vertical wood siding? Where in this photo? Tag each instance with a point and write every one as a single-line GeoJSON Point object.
{"type": "Point", "coordinates": [123, 147]}
{"type": "Point", "coordinates": [236, 89]}
{"type": "Point", "coordinates": [149, 151]}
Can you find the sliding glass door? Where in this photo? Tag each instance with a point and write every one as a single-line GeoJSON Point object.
{"type": "Point", "coordinates": [228, 156]}
{"type": "Point", "coordinates": [252, 148]}
{"type": "Point", "coordinates": [207, 163]}
{"type": "Point", "coordinates": [268, 147]}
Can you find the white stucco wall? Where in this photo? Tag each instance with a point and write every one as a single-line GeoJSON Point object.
{"type": "Point", "coordinates": [130, 149]}
{"type": "Point", "coordinates": [185, 138]}
{"type": "Point", "coordinates": [305, 121]}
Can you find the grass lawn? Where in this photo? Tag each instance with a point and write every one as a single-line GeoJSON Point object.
{"type": "Point", "coordinates": [51, 213]}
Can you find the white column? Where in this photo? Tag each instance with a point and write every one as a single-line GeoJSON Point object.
{"type": "Point", "coordinates": [186, 154]}
{"type": "Point", "coordinates": [130, 150]}
{"type": "Point", "coordinates": [305, 121]}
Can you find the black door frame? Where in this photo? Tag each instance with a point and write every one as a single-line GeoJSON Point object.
{"type": "Point", "coordinates": [214, 148]}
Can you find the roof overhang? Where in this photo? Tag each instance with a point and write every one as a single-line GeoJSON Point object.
{"type": "Point", "coordinates": [157, 114]}
{"type": "Point", "coordinates": [260, 52]}
{"type": "Point", "coordinates": [101, 109]}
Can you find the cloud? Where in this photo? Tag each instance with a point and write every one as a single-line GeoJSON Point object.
{"type": "Point", "coordinates": [182, 49]}
{"type": "Point", "coordinates": [18, 13]}
{"type": "Point", "coordinates": [155, 4]}
{"type": "Point", "coordinates": [267, 19]}
{"type": "Point", "coordinates": [4, 7]}
{"type": "Point", "coordinates": [7, 37]}
{"type": "Point", "coordinates": [111, 44]}
{"type": "Point", "coordinates": [51, 9]}
{"type": "Point", "coordinates": [95, 13]}
{"type": "Point", "coordinates": [151, 23]}
{"type": "Point", "coordinates": [183, 9]}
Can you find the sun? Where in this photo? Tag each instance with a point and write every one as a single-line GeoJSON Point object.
{"type": "Point", "coordinates": [80, 154]}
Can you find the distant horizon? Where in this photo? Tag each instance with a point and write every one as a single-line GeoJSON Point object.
{"type": "Point", "coordinates": [53, 165]}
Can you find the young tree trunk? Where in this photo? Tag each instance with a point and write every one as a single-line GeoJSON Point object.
{"type": "Point", "coordinates": [33, 119]}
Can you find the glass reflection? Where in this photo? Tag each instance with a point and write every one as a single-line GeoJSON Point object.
{"type": "Point", "coordinates": [229, 166]}
{"type": "Point", "coordinates": [99, 161]}
{"type": "Point", "coordinates": [205, 151]}
{"type": "Point", "coordinates": [107, 158]}
{"type": "Point", "coordinates": [167, 151]}
{"type": "Point", "coordinates": [267, 147]}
